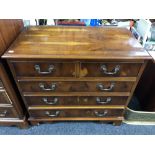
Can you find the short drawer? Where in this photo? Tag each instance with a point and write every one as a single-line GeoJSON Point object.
{"type": "Point", "coordinates": [75, 86]}
{"type": "Point", "coordinates": [7, 112]}
{"type": "Point", "coordinates": [44, 69]}
{"type": "Point", "coordinates": [74, 100]}
{"type": "Point", "coordinates": [4, 99]}
{"type": "Point", "coordinates": [109, 69]}
{"type": "Point", "coordinates": [76, 113]}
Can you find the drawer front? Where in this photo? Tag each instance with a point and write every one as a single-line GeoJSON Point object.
{"type": "Point", "coordinates": [76, 113]}
{"type": "Point", "coordinates": [4, 99]}
{"type": "Point", "coordinates": [71, 101]}
{"type": "Point", "coordinates": [44, 69]}
{"type": "Point", "coordinates": [109, 69]}
{"type": "Point", "coordinates": [7, 112]}
{"type": "Point", "coordinates": [1, 85]}
{"type": "Point", "coordinates": [76, 86]}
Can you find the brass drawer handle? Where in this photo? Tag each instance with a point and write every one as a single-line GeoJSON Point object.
{"type": "Point", "coordinates": [52, 114]}
{"type": "Point", "coordinates": [50, 69]}
{"type": "Point", "coordinates": [52, 102]}
{"type": "Point", "coordinates": [52, 87]}
{"type": "Point", "coordinates": [101, 114]}
{"type": "Point", "coordinates": [100, 86]}
{"type": "Point", "coordinates": [115, 70]}
{"type": "Point", "coordinates": [3, 114]}
{"type": "Point", "coordinates": [107, 100]}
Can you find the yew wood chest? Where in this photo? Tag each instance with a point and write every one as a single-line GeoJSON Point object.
{"type": "Point", "coordinates": [76, 73]}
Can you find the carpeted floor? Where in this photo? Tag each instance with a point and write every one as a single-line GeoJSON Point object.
{"type": "Point", "coordinates": [80, 128]}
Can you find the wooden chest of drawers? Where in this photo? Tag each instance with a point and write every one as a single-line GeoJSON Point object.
{"type": "Point", "coordinates": [76, 73]}
{"type": "Point", "coordinates": [11, 107]}
{"type": "Point", "coordinates": [11, 112]}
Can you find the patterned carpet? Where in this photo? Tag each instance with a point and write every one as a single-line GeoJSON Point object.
{"type": "Point", "coordinates": [80, 128]}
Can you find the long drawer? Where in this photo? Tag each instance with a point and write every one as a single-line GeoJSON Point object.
{"type": "Point", "coordinates": [74, 100]}
{"type": "Point", "coordinates": [76, 113]}
{"type": "Point", "coordinates": [75, 86]}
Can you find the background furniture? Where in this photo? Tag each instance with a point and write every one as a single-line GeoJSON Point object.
{"type": "Point", "coordinates": [76, 73]}
{"type": "Point", "coordinates": [142, 31]}
{"type": "Point", "coordinates": [69, 22]}
{"type": "Point", "coordinates": [11, 111]}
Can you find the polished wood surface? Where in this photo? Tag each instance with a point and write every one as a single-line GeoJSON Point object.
{"type": "Point", "coordinates": [9, 30]}
{"type": "Point", "coordinates": [126, 69]}
{"type": "Point", "coordinates": [76, 43]}
{"type": "Point", "coordinates": [72, 107]}
{"type": "Point", "coordinates": [52, 101]}
{"type": "Point", "coordinates": [76, 70]}
{"type": "Point", "coordinates": [127, 79]}
{"type": "Point", "coordinates": [136, 83]}
{"type": "Point", "coordinates": [74, 86]}
{"type": "Point", "coordinates": [60, 69]}
{"type": "Point", "coordinates": [2, 44]}
{"type": "Point", "coordinates": [11, 111]}
{"type": "Point", "coordinates": [105, 119]}
{"type": "Point", "coordinates": [21, 123]}
{"type": "Point", "coordinates": [10, 91]}
{"type": "Point", "coordinates": [4, 99]}
{"type": "Point", "coordinates": [7, 112]}
{"type": "Point", "coordinates": [75, 113]}
{"type": "Point", "coordinates": [76, 94]}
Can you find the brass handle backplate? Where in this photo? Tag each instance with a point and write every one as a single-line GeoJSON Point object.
{"type": "Point", "coordinates": [101, 87]}
{"type": "Point", "coordinates": [113, 72]}
{"type": "Point", "coordinates": [101, 114]}
{"type": "Point", "coordinates": [52, 87]}
{"type": "Point", "coordinates": [50, 69]}
{"type": "Point", "coordinates": [51, 102]}
{"type": "Point", "coordinates": [106, 101]}
{"type": "Point", "coordinates": [52, 114]}
{"type": "Point", "coordinates": [3, 114]}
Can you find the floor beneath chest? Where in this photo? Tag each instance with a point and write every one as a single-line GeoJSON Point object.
{"type": "Point", "coordinates": [80, 128]}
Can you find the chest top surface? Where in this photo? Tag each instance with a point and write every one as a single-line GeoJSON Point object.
{"type": "Point", "coordinates": [72, 42]}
